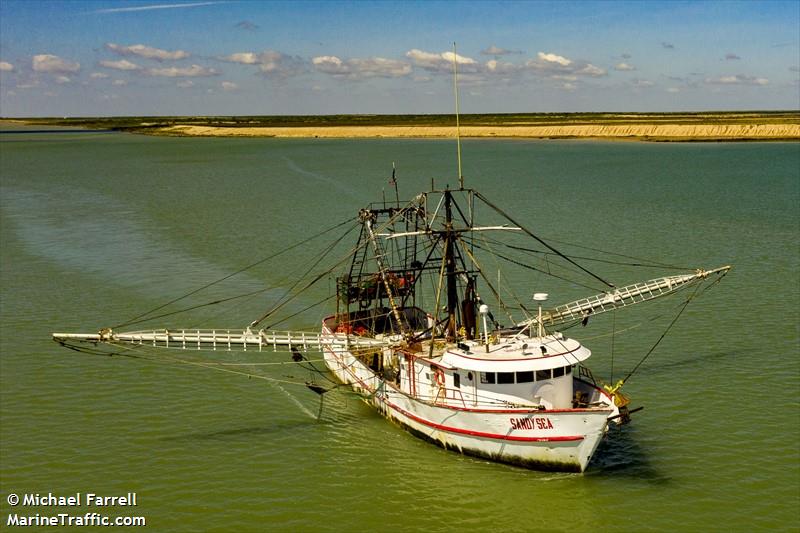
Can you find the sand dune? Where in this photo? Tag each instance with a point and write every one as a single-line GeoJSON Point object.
{"type": "Point", "coordinates": [611, 131]}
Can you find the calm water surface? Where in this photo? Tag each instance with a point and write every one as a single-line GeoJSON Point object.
{"type": "Point", "coordinates": [97, 228]}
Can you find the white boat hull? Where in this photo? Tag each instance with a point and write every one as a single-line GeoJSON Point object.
{"type": "Point", "coordinates": [557, 440]}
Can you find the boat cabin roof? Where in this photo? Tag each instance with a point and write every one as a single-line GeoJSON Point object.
{"type": "Point", "coordinates": [513, 354]}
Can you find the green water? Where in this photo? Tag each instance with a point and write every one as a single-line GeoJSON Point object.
{"type": "Point", "coordinates": [97, 228]}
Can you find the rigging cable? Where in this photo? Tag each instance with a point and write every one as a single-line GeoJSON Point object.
{"type": "Point", "coordinates": [524, 265]}
{"type": "Point", "coordinates": [206, 304]}
{"type": "Point", "coordinates": [640, 262]}
{"type": "Point", "coordinates": [136, 319]}
{"type": "Point", "coordinates": [346, 257]}
{"type": "Point", "coordinates": [652, 349]}
{"type": "Point", "coordinates": [613, 330]}
{"type": "Point", "coordinates": [527, 231]}
{"type": "Point", "coordinates": [289, 296]}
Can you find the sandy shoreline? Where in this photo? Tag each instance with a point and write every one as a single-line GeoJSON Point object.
{"type": "Point", "coordinates": [613, 131]}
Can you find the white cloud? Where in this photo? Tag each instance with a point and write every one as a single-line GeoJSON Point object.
{"type": "Point", "coordinates": [54, 64]}
{"type": "Point", "coordinates": [6, 67]}
{"type": "Point", "coordinates": [494, 66]}
{"type": "Point", "coordinates": [591, 70]}
{"type": "Point", "coordinates": [556, 66]}
{"type": "Point", "coordinates": [379, 67]}
{"type": "Point", "coordinates": [424, 59]}
{"type": "Point", "coordinates": [98, 75]}
{"type": "Point", "coordinates": [185, 84]}
{"type": "Point", "coordinates": [270, 62]}
{"type": "Point", "coordinates": [361, 68]}
{"type": "Point", "coordinates": [441, 62]}
{"type": "Point", "coordinates": [188, 72]}
{"type": "Point", "coordinates": [147, 52]}
{"type": "Point", "coordinates": [61, 79]}
{"type": "Point", "coordinates": [461, 60]}
{"type": "Point", "coordinates": [738, 79]}
{"type": "Point", "coordinates": [553, 58]}
{"type": "Point", "coordinates": [673, 90]}
{"type": "Point", "coordinates": [245, 58]}
{"type": "Point", "coordinates": [329, 65]}
{"type": "Point", "coordinates": [229, 86]}
{"type": "Point", "coordinates": [624, 66]}
{"type": "Point", "coordinates": [278, 64]}
{"type": "Point", "coordinates": [122, 64]}
{"type": "Point", "coordinates": [119, 83]}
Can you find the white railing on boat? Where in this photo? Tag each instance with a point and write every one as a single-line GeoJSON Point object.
{"type": "Point", "coordinates": [223, 339]}
{"type": "Point", "coordinates": [621, 297]}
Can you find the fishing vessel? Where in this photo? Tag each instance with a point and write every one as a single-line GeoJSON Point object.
{"type": "Point", "coordinates": [414, 333]}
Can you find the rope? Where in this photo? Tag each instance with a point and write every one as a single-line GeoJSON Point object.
{"type": "Point", "coordinates": [342, 260]}
{"type": "Point", "coordinates": [652, 349]}
{"type": "Point", "coordinates": [527, 231]}
{"type": "Point", "coordinates": [613, 331]}
{"type": "Point", "coordinates": [289, 296]}
{"type": "Point", "coordinates": [641, 263]}
{"type": "Point", "coordinates": [529, 267]}
{"type": "Point", "coordinates": [216, 366]}
{"type": "Point", "coordinates": [140, 318]}
{"type": "Point", "coordinates": [301, 311]}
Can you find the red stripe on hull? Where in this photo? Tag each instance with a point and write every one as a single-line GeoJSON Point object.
{"type": "Point", "coordinates": [480, 433]}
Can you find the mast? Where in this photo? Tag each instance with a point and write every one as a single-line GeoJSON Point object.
{"type": "Point", "coordinates": [449, 256]}
{"type": "Point", "coordinates": [458, 124]}
{"type": "Point", "coordinates": [450, 266]}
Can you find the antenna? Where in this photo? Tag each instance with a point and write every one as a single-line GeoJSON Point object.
{"type": "Point", "coordinates": [458, 125]}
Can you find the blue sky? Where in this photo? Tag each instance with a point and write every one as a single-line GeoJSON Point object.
{"type": "Point", "coordinates": [244, 57]}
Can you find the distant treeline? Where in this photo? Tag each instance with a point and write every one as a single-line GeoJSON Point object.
{"type": "Point", "coordinates": [142, 124]}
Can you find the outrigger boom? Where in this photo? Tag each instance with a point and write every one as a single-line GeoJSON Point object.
{"type": "Point", "coordinates": [621, 297]}
{"type": "Point", "coordinates": [222, 339]}
{"type": "Point", "coordinates": [229, 340]}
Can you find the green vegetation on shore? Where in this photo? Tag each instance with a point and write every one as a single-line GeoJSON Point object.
{"type": "Point", "coordinates": [152, 124]}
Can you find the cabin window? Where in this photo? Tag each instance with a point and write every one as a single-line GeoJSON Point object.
{"type": "Point", "coordinates": [469, 376]}
{"type": "Point", "coordinates": [487, 377]}
{"type": "Point", "coordinates": [505, 377]}
{"type": "Point", "coordinates": [525, 377]}
{"type": "Point", "coordinates": [568, 370]}
{"type": "Point", "coordinates": [558, 372]}
{"type": "Point", "coordinates": [457, 380]}
{"type": "Point", "coordinates": [541, 375]}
